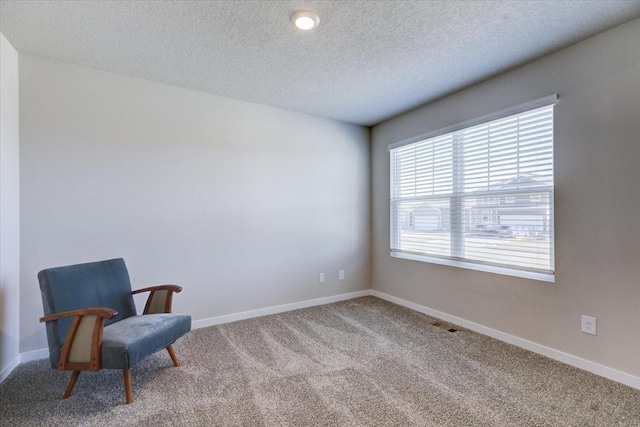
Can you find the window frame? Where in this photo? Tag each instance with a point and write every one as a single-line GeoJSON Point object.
{"type": "Point", "coordinates": [548, 276]}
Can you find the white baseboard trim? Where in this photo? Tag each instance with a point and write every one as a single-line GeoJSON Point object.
{"type": "Point", "coordinates": [28, 356]}
{"type": "Point", "coordinates": [560, 356]}
{"type": "Point", "coordinates": [569, 359]}
{"type": "Point", "coordinates": [218, 320]}
{"type": "Point", "coordinates": [9, 368]}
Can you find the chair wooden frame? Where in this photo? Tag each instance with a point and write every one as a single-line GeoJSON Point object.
{"type": "Point", "coordinates": [94, 349]}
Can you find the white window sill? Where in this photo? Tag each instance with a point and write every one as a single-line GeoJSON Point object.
{"type": "Point", "coordinates": [544, 277]}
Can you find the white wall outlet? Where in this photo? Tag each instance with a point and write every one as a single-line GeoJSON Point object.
{"type": "Point", "coordinates": [341, 275]}
{"type": "Point", "coordinates": [321, 278]}
{"type": "Point", "coordinates": [589, 325]}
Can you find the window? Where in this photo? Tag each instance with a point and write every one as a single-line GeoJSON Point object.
{"type": "Point", "coordinates": [479, 195]}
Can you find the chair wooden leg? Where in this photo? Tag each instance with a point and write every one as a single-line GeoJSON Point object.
{"type": "Point", "coordinates": [72, 383]}
{"type": "Point", "coordinates": [127, 385]}
{"type": "Point", "coordinates": [174, 358]}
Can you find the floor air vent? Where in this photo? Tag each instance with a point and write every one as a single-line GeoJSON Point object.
{"type": "Point", "coordinates": [444, 326]}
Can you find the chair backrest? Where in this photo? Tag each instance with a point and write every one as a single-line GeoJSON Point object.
{"type": "Point", "coordinates": [95, 284]}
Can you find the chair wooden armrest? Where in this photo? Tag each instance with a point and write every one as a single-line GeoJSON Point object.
{"type": "Point", "coordinates": [160, 299]}
{"type": "Point", "coordinates": [82, 345]}
{"type": "Point", "coordinates": [104, 312]}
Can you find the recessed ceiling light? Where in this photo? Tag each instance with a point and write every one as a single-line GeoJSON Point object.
{"type": "Point", "coordinates": [305, 20]}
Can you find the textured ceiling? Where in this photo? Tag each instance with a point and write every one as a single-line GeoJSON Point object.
{"type": "Point", "coordinates": [366, 62]}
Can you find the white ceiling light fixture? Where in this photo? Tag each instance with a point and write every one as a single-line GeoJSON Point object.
{"type": "Point", "coordinates": [305, 20]}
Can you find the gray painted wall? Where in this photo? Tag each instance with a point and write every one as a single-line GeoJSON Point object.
{"type": "Point", "coordinates": [241, 204]}
{"type": "Point", "coordinates": [9, 206]}
{"type": "Point", "coordinates": [597, 204]}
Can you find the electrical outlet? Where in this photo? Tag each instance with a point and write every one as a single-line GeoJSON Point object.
{"type": "Point", "coordinates": [589, 325]}
{"type": "Point", "coordinates": [321, 278]}
{"type": "Point", "coordinates": [341, 275]}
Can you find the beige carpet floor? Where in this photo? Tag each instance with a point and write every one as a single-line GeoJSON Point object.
{"type": "Point", "coordinates": [362, 362]}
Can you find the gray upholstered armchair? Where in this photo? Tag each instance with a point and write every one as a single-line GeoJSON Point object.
{"type": "Point", "coordinates": [92, 322]}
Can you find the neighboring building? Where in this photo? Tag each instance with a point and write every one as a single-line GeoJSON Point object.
{"type": "Point", "coordinates": [524, 214]}
{"type": "Point", "coordinates": [527, 213]}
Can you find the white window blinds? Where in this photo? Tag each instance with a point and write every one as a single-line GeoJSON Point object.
{"type": "Point", "coordinates": [481, 194]}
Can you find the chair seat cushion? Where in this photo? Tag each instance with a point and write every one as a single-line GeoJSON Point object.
{"type": "Point", "coordinates": [127, 342]}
